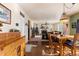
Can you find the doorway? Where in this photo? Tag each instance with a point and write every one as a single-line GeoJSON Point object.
{"type": "Point", "coordinates": [29, 29]}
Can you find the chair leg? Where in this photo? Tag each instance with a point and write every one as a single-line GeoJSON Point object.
{"type": "Point", "coordinates": [55, 48]}
{"type": "Point", "coordinates": [73, 51]}
{"type": "Point", "coordinates": [63, 50]}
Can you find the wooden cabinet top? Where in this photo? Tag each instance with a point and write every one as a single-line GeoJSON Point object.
{"type": "Point", "coordinates": [8, 38]}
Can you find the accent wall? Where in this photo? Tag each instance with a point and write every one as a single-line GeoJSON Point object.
{"type": "Point", "coordinates": [73, 21]}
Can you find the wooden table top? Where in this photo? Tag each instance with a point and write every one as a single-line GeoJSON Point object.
{"type": "Point", "coordinates": [67, 36]}
{"type": "Point", "coordinates": [63, 37]}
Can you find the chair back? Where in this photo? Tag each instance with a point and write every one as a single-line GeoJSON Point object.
{"type": "Point", "coordinates": [76, 38]}
{"type": "Point", "coordinates": [53, 38]}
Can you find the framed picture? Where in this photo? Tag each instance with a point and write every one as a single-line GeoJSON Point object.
{"type": "Point", "coordinates": [73, 24]}
{"type": "Point", "coordinates": [5, 14]}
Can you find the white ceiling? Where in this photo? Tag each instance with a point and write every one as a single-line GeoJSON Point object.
{"type": "Point", "coordinates": [47, 11]}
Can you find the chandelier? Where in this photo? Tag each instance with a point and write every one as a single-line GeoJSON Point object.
{"type": "Point", "coordinates": [64, 15]}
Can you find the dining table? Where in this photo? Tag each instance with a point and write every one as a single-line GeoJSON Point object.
{"type": "Point", "coordinates": [62, 39]}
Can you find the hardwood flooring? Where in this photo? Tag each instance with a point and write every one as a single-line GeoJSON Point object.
{"type": "Point", "coordinates": [41, 45]}
{"type": "Point", "coordinates": [36, 51]}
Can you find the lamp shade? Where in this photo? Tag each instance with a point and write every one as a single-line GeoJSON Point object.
{"type": "Point", "coordinates": [64, 16]}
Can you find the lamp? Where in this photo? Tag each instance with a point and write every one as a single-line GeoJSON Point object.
{"type": "Point", "coordinates": [64, 15]}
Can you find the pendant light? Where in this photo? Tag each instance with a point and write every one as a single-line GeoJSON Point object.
{"type": "Point", "coordinates": [64, 15]}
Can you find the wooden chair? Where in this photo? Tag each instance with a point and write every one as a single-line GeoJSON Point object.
{"type": "Point", "coordinates": [54, 42]}
{"type": "Point", "coordinates": [76, 38]}
{"type": "Point", "coordinates": [69, 44]}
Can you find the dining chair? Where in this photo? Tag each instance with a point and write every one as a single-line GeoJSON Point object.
{"type": "Point", "coordinates": [54, 43]}
{"type": "Point", "coordinates": [70, 44]}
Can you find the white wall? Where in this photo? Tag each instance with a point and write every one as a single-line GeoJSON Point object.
{"type": "Point", "coordinates": [16, 18]}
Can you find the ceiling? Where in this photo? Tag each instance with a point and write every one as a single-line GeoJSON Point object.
{"type": "Point", "coordinates": [48, 11]}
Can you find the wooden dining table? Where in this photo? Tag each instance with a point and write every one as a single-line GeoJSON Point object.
{"type": "Point", "coordinates": [62, 39]}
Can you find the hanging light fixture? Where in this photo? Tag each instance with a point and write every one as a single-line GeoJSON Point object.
{"type": "Point", "coordinates": [64, 15]}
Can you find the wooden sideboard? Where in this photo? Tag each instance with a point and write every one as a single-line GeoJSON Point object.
{"type": "Point", "coordinates": [12, 44]}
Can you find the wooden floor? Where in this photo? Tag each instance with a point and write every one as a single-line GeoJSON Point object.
{"type": "Point", "coordinates": [37, 51]}
{"type": "Point", "coordinates": [41, 45]}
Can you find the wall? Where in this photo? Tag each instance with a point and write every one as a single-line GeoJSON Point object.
{"type": "Point", "coordinates": [56, 26]}
{"type": "Point", "coordinates": [49, 25]}
{"type": "Point", "coordinates": [65, 26]}
{"type": "Point", "coordinates": [62, 26]}
{"type": "Point", "coordinates": [73, 18]}
{"type": "Point", "coordinates": [16, 18]}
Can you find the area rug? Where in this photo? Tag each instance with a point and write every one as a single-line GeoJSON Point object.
{"type": "Point", "coordinates": [29, 47]}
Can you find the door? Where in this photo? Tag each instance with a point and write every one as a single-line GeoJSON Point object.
{"type": "Point", "coordinates": [28, 29]}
